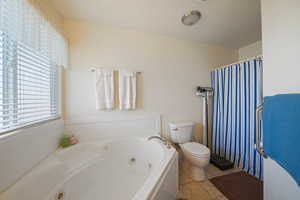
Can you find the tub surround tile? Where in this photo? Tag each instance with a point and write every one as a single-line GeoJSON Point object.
{"type": "Point", "coordinates": [23, 149]}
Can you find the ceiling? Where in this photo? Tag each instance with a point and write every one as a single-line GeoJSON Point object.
{"type": "Point", "coordinates": [229, 23]}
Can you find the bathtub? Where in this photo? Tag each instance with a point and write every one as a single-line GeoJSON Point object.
{"type": "Point", "coordinates": [109, 169]}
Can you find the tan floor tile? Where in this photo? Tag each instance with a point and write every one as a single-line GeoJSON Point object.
{"type": "Point", "coordinates": [211, 189]}
{"type": "Point", "coordinates": [184, 177]}
{"type": "Point", "coordinates": [221, 198]}
{"type": "Point", "coordinates": [212, 171]}
{"type": "Point", "coordinates": [193, 190]}
{"type": "Point", "coordinates": [184, 192]}
{"type": "Point", "coordinates": [198, 192]}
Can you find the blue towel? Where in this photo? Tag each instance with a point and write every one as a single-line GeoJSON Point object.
{"type": "Point", "coordinates": [281, 131]}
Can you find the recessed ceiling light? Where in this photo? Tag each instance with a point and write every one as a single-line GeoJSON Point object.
{"type": "Point", "coordinates": [191, 18]}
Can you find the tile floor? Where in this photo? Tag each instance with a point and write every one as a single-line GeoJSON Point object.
{"type": "Point", "coordinates": [203, 190]}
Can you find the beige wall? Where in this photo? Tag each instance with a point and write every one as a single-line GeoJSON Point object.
{"type": "Point", "coordinates": [251, 50]}
{"type": "Point", "coordinates": [171, 69]}
{"type": "Point", "coordinates": [281, 48]}
{"type": "Point", "coordinates": [50, 12]}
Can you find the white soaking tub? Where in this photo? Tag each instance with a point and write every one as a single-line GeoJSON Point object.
{"type": "Point", "coordinates": [131, 168]}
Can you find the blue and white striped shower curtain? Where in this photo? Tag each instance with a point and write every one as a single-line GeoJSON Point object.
{"type": "Point", "coordinates": [237, 93]}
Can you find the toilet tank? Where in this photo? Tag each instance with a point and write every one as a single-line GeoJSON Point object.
{"type": "Point", "coordinates": [181, 132]}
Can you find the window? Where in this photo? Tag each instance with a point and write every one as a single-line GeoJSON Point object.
{"type": "Point", "coordinates": [32, 50]}
{"type": "Point", "coordinates": [29, 85]}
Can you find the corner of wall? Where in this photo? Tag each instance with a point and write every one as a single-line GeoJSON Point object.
{"type": "Point", "coordinates": [251, 50]}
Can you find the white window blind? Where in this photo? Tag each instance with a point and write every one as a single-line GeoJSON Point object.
{"type": "Point", "coordinates": [31, 52]}
{"type": "Point", "coordinates": [25, 21]}
{"type": "Point", "coordinates": [29, 86]}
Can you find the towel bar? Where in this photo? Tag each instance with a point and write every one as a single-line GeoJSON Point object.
{"type": "Point", "coordinates": [259, 145]}
{"type": "Point", "coordinates": [93, 69]}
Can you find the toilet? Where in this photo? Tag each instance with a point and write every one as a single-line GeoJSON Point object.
{"type": "Point", "coordinates": [198, 155]}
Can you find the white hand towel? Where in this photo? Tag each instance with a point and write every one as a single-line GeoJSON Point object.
{"type": "Point", "coordinates": [127, 89]}
{"type": "Point", "coordinates": [104, 89]}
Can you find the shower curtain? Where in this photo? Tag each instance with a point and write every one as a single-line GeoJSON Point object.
{"type": "Point", "coordinates": [237, 93]}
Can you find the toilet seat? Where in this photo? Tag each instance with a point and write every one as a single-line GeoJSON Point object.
{"type": "Point", "coordinates": [201, 156]}
{"type": "Point", "coordinates": [196, 150]}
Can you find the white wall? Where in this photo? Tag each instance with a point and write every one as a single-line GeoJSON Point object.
{"type": "Point", "coordinates": [171, 69]}
{"type": "Point", "coordinates": [251, 50]}
{"type": "Point", "coordinates": [281, 47]}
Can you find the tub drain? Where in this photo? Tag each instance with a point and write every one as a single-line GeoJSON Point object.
{"type": "Point", "coordinates": [105, 148]}
{"type": "Point", "coordinates": [60, 196]}
{"type": "Point", "coordinates": [132, 161]}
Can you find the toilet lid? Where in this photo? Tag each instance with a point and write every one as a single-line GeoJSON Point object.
{"type": "Point", "coordinates": [196, 149]}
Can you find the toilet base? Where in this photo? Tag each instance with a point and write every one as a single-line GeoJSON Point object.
{"type": "Point", "coordinates": [197, 174]}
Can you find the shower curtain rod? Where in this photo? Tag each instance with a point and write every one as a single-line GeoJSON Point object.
{"type": "Point", "coordinates": [238, 62]}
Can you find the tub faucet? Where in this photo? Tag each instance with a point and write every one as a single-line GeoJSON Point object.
{"type": "Point", "coordinates": [165, 142]}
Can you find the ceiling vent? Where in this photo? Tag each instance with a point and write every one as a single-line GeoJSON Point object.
{"type": "Point", "coordinates": [191, 18]}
